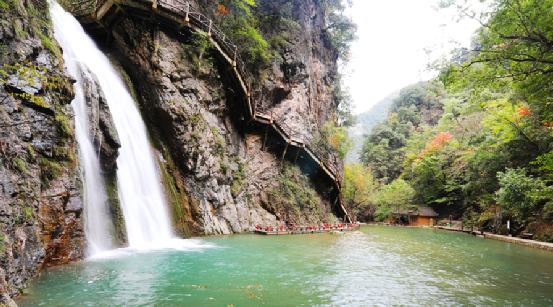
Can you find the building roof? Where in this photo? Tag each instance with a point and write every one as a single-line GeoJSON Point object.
{"type": "Point", "coordinates": [427, 211]}
{"type": "Point", "coordinates": [423, 211]}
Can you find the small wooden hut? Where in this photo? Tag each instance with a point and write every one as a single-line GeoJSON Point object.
{"type": "Point", "coordinates": [421, 216]}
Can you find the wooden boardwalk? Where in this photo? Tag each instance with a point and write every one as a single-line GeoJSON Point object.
{"type": "Point", "coordinates": [100, 16]}
{"type": "Point", "coordinates": [488, 235]}
{"type": "Point", "coordinates": [304, 231]}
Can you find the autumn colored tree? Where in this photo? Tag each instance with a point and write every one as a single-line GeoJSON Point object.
{"type": "Point", "coordinates": [333, 139]}
{"type": "Point", "coordinates": [439, 141]}
{"type": "Point", "coordinates": [222, 10]}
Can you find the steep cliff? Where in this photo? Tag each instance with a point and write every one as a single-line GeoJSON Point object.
{"type": "Point", "coordinates": [217, 176]}
{"type": "Point", "coordinates": [222, 172]}
{"type": "Point", "coordinates": [41, 190]}
{"type": "Point", "coordinates": [40, 199]}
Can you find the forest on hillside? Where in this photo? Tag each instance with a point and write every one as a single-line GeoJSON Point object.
{"type": "Point", "coordinates": [475, 142]}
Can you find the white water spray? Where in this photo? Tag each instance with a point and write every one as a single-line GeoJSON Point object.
{"type": "Point", "coordinates": [94, 197]}
{"type": "Point", "coordinates": [143, 203]}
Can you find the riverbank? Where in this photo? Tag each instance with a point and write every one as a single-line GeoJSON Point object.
{"type": "Point", "coordinates": [515, 240]}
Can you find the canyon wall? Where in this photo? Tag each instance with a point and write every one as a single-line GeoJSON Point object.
{"type": "Point", "coordinates": [222, 172]}
{"type": "Point", "coordinates": [218, 177]}
{"type": "Point", "coordinates": [41, 188]}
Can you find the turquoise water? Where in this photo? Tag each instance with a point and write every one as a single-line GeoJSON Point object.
{"type": "Point", "coordinates": [380, 266]}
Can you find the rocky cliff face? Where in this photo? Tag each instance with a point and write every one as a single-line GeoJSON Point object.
{"type": "Point", "coordinates": [104, 137]}
{"type": "Point", "coordinates": [220, 174]}
{"type": "Point", "coordinates": [41, 205]}
{"type": "Point", "coordinates": [218, 178]}
{"type": "Point", "coordinates": [40, 190]}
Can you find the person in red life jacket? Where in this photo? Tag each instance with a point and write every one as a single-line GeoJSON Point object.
{"type": "Point", "coordinates": [257, 227]}
{"type": "Point", "coordinates": [281, 227]}
{"type": "Point", "coordinates": [267, 228]}
{"type": "Point", "coordinates": [292, 228]}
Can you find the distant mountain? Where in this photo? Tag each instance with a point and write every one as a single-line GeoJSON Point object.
{"type": "Point", "coordinates": [365, 122]}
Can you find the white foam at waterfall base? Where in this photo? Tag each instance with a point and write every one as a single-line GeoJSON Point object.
{"type": "Point", "coordinates": [190, 245]}
{"type": "Point", "coordinates": [140, 192]}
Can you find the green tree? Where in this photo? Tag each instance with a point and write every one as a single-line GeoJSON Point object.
{"type": "Point", "coordinates": [514, 44]}
{"type": "Point", "coordinates": [341, 28]}
{"type": "Point", "coordinates": [516, 193]}
{"type": "Point", "coordinates": [359, 189]}
{"type": "Point", "coordinates": [394, 197]}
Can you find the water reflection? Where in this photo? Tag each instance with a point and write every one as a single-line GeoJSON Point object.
{"type": "Point", "coordinates": [378, 266]}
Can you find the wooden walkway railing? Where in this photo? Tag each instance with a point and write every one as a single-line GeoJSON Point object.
{"type": "Point", "coordinates": [192, 18]}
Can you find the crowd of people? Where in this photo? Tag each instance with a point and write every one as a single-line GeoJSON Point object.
{"type": "Point", "coordinates": [301, 228]}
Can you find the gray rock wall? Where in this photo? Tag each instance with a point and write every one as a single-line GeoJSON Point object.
{"type": "Point", "coordinates": [40, 189]}
{"type": "Point", "coordinates": [222, 182]}
{"type": "Point", "coordinates": [41, 205]}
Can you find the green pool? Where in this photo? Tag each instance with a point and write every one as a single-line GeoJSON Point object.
{"type": "Point", "coordinates": [377, 266]}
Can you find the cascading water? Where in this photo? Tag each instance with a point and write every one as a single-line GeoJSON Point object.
{"type": "Point", "coordinates": [143, 203]}
{"type": "Point", "coordinates": [95, 209]}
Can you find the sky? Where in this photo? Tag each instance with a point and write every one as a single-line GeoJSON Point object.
{"type": "Point", "coordinates": [390, 52]}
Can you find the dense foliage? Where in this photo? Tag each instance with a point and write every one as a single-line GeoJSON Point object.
{"type": "Point", "coordinates": [384, 148]}
{"type": "Point", "coordinates": [483, 152]}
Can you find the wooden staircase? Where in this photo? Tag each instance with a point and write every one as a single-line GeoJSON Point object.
{"type": "Point", "coordinates": [99, 16]}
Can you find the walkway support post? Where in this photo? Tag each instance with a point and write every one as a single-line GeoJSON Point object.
{"type": "Point", "coordinates": [93, 12]}
{"type": "Point", "coordinates": [234, 60]}
{"type": "Point", "coordinates": [297, 154]}
{"type": "Point", "coordinates": [284, 152]}
{"type": "Point", "coordinates": [265, 138]}
{"type": "Point", "coordinates": [186, 19]}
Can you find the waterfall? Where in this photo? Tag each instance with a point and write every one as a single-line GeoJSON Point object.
{"type": "Point", "coordinates": [94, 197]}
{"type": "Point", "coordinates": [140, 191]}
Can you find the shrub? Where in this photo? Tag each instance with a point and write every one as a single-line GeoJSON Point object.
{"type": "Point", "coordinates": [49, 170]}
{"type": "Point", "coordinates": [20, 165]}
